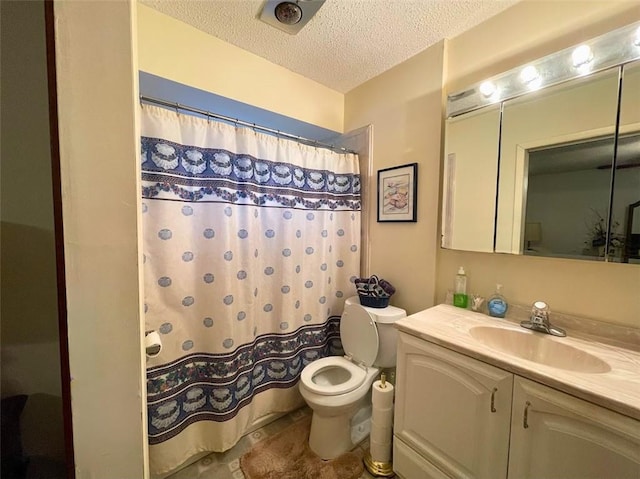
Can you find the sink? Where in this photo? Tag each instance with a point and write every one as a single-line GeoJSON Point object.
{"type": "Point", "coordinates": [539, 348]}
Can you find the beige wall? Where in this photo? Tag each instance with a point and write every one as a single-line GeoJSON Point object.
{"type": "Point", "coordinates": [224, 69]}
{"type": "Point", "coordinates": [404, 107]}
{"type": "Point", "coordinates": [30, 356]}
{"type": "Point", "coordinates": [100, 173]}
{"type": "Point", "coordinates": [529, 30]}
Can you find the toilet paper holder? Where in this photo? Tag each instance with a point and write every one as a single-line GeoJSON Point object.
{"type": "Point", "coordinates": [382, 465]}
{"type": "Point", "coordinates": [152, 343]}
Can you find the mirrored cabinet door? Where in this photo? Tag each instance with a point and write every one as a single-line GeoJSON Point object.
{"type": "Point", "coordinates": [470, 180]}
{"type": "Point", "coordinates": [624, 243]}
{"type": "Point", "coordinates": [556, 154]}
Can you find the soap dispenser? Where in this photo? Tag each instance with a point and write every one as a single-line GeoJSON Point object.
{"type": "Point", "coordinates": [460, 298]}
{"type": "Point", "coordinates": [497, 304]}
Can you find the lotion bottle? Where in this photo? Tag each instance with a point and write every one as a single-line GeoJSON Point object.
{"type": "Point", "coordinates": [460, 298]}
{"type": "Point", "coordinates": [497, 304]}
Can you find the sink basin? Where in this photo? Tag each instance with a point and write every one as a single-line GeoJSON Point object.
{"type": "Point", "coordinates": [539, 348]}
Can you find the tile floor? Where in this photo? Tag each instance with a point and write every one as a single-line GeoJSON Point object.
{"type": "Point", "coordinates": [226, 465]}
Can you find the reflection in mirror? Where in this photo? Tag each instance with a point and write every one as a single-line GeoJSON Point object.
{"type": "Point", "coordinates": [470, 172]}
{"type": "Point", "coordinates": [624, 243]}
{"type": "Point", "coordinates": [556, 152]}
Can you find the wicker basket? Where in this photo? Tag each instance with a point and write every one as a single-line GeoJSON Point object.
{"type": "Point", "coordinates": [374, 292]}
{"type": "Point", "coordinates": [373, 302]}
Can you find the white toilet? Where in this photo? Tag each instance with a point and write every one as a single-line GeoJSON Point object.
{"type": "Point", "coordinates": [336, 387]}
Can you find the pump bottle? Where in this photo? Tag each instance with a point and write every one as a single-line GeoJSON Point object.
{"type": "Point", "coordinates": [460, 298]}
{"type": "Point", "coordinates": [497, 304]}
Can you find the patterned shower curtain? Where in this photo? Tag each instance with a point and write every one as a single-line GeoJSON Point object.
{"type": "Point", "coordinates": [251, 245]}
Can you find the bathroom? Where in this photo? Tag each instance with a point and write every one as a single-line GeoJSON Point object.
{"type": "Point", "coordinates": [404, 105]}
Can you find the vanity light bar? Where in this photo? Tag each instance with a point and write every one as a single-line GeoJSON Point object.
{"type": "Point", "coordinates": [606, 51]}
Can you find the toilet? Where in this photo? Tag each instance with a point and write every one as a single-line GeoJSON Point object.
{"type": "Point", "coordinates": [336, 388]}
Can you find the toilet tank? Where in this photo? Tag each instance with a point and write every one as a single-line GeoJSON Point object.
{"type": "Point", "coordinates": [387, 333]}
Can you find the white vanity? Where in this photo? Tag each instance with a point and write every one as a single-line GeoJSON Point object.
{"type": "Point", "coordinates": [480, 397]}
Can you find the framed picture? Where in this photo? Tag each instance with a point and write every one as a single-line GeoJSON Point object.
{"type": "Point", "coordinates": [398, 193]}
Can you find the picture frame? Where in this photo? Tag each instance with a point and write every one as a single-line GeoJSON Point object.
{"type": "Point", "coordinates": [398, 194]}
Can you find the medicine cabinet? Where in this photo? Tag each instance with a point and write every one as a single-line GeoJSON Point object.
{"type": "Point", "coordinates": [544, 160]}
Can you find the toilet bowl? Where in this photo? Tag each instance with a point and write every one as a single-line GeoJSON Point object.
{"type": "Point", "coordinates": [336, 387]}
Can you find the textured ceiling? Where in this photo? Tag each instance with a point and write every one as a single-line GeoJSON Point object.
{"type": "Point", "coordinates": [347, 42]}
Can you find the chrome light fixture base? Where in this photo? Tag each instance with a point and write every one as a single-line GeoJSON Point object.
{"type": "Point", "coordinates": [615, 48]}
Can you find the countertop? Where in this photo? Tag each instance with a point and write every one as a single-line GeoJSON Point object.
{"type": "Point", "coordinates": [617, 389]}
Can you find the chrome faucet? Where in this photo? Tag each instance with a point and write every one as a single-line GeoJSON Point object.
{"type": "Point", "coordinates": [539, 320]}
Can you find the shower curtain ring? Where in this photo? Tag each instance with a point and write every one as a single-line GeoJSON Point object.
{"type": "Point", "coordinates": [177, 108]}
{"type": "Point", "coordinates": [208, 117]}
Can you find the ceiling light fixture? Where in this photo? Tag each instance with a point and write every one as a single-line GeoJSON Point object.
{"type": "Point", "coordinates": [288, 13]}
{"type": "Point", "coordinates": [290, 16]}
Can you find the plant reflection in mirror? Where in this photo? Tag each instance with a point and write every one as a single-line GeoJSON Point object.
{"type": "Point", "coordinates": [597, 234]}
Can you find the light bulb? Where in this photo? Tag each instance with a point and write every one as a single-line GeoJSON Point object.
{"type": "Point", "coordinates": [581, 56]}
{"type": "Point", "coordinates": [530, 77]}
{"type": "Point", "coordinates": [488, 88]}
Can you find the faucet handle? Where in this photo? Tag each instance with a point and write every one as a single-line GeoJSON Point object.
{"type": "Point", "coordinates": [539, 320]}
{"type": "Point", "coordinates": [540, 313]}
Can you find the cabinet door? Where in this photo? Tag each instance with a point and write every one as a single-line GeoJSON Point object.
{"type": "Point", "coordinates": [454, 411]}
{"type": "Point", "coordinates": [408, 464]}
{"type": "Point", "coordinates": [555, 435]}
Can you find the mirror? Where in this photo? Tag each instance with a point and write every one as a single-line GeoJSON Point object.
{"type": "Point", "coordinates": [545, 171]}
{"type": "Point", "coordinates": [470, 172]}
{"type": "Point", "coordinates": [556, 152]}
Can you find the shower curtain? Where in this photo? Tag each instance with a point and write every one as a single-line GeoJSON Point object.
{"type": "Point", "coordinates": [251, 246]}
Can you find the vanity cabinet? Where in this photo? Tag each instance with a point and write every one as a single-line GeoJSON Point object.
{"type": "Point", "coordinates": [457, 417]}
{"type": "Point", "coordinates": [554, 435]}
{"type": "Point", "coordinates": [452, 410]}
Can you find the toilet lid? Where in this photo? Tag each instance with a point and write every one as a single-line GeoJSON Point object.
{"type": "Point", "coordinates": [356, 376]}
{"type": "Point", "coordinates": [359, 334]}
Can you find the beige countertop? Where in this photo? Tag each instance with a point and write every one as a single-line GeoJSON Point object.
{"type": "Point", "coordinates": [617, 389]}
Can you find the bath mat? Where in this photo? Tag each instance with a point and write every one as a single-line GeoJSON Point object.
{"type": "Point", "coordinates": [286, 455]}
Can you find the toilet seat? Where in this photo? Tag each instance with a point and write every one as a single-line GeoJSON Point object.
{"type": "Point", "coordinates": [357, 376]}
{"type": "Point", "coordinates": [360, 341]}
{"type": "Point", "coordinates": [359, 335]}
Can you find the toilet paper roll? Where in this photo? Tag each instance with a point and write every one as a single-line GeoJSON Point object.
{"type": "Point", "coordinates": [152, 344]}
{"type": "Point", "coordinates": [382, 416]}
{"type": "Point", "coordinates": [382, 397]}
{"type": "Point", "coordinates": [381, 434]}
{"type": "Point", "coordinates": [380, 452]}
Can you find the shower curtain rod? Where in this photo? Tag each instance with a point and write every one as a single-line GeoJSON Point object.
{"type": "Point", "coordinates": [235, 121]}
